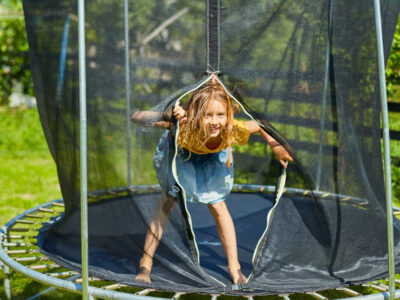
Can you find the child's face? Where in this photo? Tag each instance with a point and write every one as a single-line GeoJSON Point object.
{"type": "Point", "coordinates": [215, 117]}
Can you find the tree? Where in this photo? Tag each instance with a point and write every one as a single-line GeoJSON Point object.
{"type": "Point", "coordinates": [14, 58]}
{"type": "Point", "coordinates": [393, 66]}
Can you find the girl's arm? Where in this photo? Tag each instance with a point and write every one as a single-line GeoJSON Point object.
{"type": "Point", "coordinates": [158, 119]}
{"type": "Point", "coordinates": [150, 119]}
{"type": "Point", "coordinates": [278, 149]}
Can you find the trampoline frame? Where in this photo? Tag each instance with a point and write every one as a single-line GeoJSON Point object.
{"type": "Point", "coordinates": [91, 292]}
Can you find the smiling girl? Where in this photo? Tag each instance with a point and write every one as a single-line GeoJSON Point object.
{"type": "Point", "coordinates": [204, 163]}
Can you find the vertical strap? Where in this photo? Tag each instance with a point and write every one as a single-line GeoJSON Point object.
{"type": "Point", "coordinates": [213, 36]}
{"type": "Point", "coordinates": [228, 121]}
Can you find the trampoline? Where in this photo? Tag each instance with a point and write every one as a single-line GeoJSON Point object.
{"type": "Point", "coordinates": [18, 242]}
{"type": "Point", "coordinates": [325, 223]}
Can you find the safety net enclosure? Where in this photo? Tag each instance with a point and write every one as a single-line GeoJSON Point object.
{"type": "Point", "coordinates": [308, 67]}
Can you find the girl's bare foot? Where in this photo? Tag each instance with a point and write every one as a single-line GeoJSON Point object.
{"type": "Point", "coordinates": [237, 275]}
{"type": "Point", "coordinates": [146, 263]}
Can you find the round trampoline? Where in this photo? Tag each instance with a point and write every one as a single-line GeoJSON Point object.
{"type": "Point", "coordinates": [304, 71]}
{"type": "Point", "coordinates": [22, 236]}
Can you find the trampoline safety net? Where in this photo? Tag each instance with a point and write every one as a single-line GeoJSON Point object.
{"type": "Point", "coordinates": [308, 67]}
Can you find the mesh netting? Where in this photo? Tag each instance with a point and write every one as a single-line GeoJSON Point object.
{"type": "Point", "coordinates": [309, 68]}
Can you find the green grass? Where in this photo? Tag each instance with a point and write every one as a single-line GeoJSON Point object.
{"type": "Point", "coordinates": [28, 178]}
{"type": "Point", "coordinates": [394, 124]}
{"type": "Point", "coordinates": [28, 172]}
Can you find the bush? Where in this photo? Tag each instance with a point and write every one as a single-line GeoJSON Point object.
{"type": "Point", "coordinates": [14, 58]}
{"type": "Point", "coordinates": [393, 67]}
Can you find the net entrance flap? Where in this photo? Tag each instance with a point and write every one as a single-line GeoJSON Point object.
{"type": "Point", "coordinates": [309, 68]}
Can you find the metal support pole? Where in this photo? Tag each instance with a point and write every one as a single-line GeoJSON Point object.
{"type": "Point", "coordinates": [386, 147]}
{"type": "Point", "coordinates": [7, 281]}
{"type": "Point", "coordinates": [127, 88]}
{"type": "Point", "coordinates": [83, 148]}
{"type": "Point", "coordinates": [63, 56]}
{"type": "Point", "coordinates": [325, 91]}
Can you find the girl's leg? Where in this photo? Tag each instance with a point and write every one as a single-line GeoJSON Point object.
{"type": "Point", "coordinates": [227, 235]}
{"type": "Point", "coordinates": [154, 234]}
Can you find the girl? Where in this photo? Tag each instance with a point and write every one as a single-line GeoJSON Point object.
{"type": "Point", "coordinates": [207, 130]}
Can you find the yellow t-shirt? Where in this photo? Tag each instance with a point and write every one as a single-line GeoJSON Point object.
{"type": "Point", "coordinates": [240, 136]}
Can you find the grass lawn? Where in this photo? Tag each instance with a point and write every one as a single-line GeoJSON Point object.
{"type": "Point", "coordinates": [28, 171]}
{"type": "Point", "coordinates": [28, 178]}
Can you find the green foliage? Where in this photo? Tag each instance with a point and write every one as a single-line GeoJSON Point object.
{"type": "Point", "coordinates": [394, 124]}
{"type": "Point", "coordinates": [393, 65]}
{"type": "Point", "coordinates": [14, 59]}
{"type": "Point", "coordinates": [396, 180]}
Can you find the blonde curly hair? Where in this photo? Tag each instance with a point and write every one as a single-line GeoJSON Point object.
{"type": "Point", "coordinates": [194, 131]}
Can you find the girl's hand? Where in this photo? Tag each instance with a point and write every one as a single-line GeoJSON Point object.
{"type": "Point", "coordinates": [282, 155]}
{"type": "Point", "coordinates": [277, 148]}
{"type": "Point", "coordinates": [179, 113]}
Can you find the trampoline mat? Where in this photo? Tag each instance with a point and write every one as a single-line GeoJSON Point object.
{"type": "Point", "coordinates": [112, 223]}
{"type": "Point", "coordinates": [117, 230]}
{"type": "Point", "coordinates": [249, 212]}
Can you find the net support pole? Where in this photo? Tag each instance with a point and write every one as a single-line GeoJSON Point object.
{"type": "Point", "coordinates": [324, 95]}
{"type": "Point", "coordinates": [213, 36]}
{"type": "Point", "coordinates": [127, 94]}
{"type": "Point", "coordinates": [63, 58]}
{"type": "Point", "coordinates": [7, 281]}
{"type": "Point", "coordinates": [386, 147]}
{"type": "Point", "coordinates": [83, 148]}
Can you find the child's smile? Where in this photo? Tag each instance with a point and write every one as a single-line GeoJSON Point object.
{"type": "Point", "coordinates": [215, 118]}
